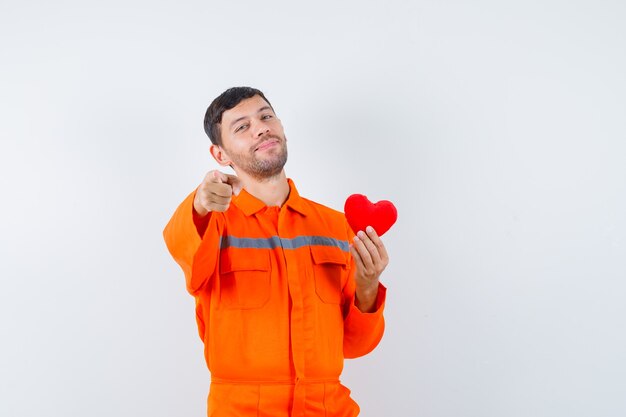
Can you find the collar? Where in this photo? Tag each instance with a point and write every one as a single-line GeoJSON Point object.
{"type": "Point", "coordinates": [250, 205]}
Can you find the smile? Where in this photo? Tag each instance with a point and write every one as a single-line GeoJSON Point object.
{"type": "Point", "coordinates": [267, 144]}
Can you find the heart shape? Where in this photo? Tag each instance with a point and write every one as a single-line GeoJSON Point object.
{"type": "Point", "coordinates": [360, 213]}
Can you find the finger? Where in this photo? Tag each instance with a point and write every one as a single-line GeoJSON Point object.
{"type": "Point", "coordinates": [231, 179]}
{"type": "Point", "coordinates": [378, 242]}
{"type": "Point", "coordinates": [222, 190]}
{"type": "Point", "coordinates": [235, 182]}
{"type": "Point", "coordinates": [357, 258]}
{"type": "Point", "coordinates": [210, 200]}
{"type": "Point", "coordinates": [217, 176]}
{"type": "Point", "coordinates": [371, 248]}
{"type": "Point", "coordinates": [218, 199]}
{"type": "Point", "coordinates": [364, 254]}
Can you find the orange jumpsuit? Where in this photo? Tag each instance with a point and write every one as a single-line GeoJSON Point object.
{"type": "Point", "coordinates": [274, 291]}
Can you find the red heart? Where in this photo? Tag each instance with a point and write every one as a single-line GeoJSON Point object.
{"type": "Point", "coordinates": [360, 213]}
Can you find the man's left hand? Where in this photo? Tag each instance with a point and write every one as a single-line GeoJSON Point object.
{"type": "Point", "coordinates": [371, 259]}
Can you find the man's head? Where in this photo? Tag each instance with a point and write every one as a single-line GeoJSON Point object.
{"type": "Point", "coordinates": [245, 133]}
{"type": "Point", "coordinates": [226, 101]}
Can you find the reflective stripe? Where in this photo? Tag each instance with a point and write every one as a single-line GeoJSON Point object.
{"type": "Point", "coordinates": [277, 242]}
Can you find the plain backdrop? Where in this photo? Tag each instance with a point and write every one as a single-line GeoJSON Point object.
{"type": "Point", "coordinates": [497, 128]}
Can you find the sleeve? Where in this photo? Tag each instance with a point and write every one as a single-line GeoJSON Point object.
{"type": "Point", "coordinates": [362, 331]}
{"type": "Point", "coordinates": [195, 253]}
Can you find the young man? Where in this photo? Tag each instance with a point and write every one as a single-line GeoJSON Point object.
{"type": "Point", "coordinates": [284, 290]}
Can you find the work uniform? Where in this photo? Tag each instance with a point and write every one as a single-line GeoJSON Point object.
{"type": "Point", "coordinates": [275, 305]}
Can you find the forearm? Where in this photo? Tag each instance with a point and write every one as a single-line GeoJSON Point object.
{"type": "Point", "coordinates": [364, 330]}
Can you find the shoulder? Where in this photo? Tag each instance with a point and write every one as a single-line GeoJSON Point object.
{"type": "Point", "coordinates": [334, 221]}
{"type": "Point", "coordinates": [323, 210]}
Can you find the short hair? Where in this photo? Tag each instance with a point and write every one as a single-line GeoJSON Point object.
{"type": "Point", "coordinates": [226, 101]}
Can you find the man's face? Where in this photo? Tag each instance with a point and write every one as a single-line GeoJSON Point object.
{"type": "Point", "coordinates": [253, 140]}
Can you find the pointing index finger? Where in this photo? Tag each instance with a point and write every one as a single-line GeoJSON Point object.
{"type": "Point", "coordinates": [216, 176]}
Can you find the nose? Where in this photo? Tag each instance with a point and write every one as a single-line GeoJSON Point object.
{"type": "Point", "coordinates": [262, 129]}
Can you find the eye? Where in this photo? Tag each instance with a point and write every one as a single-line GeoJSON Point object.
{"type": "Point", "coordinates": [267, 116]}
{"type": "Point", "coordinates": [241, 127]}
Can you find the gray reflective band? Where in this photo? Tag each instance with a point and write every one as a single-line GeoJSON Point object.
{"type": "Point", "coordinates": [277, 242]}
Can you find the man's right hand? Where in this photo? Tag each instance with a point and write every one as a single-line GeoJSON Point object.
{"type": "Point", "coordinates": [215, 192]}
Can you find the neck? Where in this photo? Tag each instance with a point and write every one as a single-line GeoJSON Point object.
{"type": "Point", "coordinates": [272, 191]}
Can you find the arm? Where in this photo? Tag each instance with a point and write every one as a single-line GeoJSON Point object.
{"type": "Point", "coordinates": [363, 331]}
{"type": "Point", "coordinates": [183, 236]}
{"type": "Point", "coordinates": [193, 233]}
{"type": "Point", "coordinates": [364, 323]}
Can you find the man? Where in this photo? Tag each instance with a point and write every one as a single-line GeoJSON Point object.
{"type": "Point", "coordinates": [284, 290]}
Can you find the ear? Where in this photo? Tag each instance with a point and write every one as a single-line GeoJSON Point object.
{"type": "Point", "coordinates": [219, 154]}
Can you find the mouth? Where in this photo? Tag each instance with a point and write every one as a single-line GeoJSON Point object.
{"type": "Point", "coordinates": [266, 144]}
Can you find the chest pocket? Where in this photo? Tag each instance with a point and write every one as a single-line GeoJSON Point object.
{"type": "Point", "coordinates": [244, 280]}
{"type": "Point", "coordinates": [330, 270]}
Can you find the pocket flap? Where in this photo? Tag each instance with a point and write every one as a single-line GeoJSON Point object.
{"type": "Point", "coordinates": [242, 260]}
{"type": "Point", "coordinates": [329, 254]}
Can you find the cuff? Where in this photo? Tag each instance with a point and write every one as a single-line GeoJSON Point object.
{"type": "Point", "coordinates": [380, 305]}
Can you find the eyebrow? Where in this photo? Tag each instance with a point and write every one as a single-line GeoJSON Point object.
{"type": "Point", "coordinates": [243, 117]}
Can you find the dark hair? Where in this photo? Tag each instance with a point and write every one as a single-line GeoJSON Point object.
{"type": "Point", "coordinates": [226, 101]}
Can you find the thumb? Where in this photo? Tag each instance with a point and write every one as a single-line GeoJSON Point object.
{"type": "Point", "coordinates": [234, 182]}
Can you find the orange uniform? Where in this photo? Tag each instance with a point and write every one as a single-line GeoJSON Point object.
{"type": "Point", "coordinates": [274, 291]}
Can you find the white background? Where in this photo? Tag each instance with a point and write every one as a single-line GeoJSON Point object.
{"type": "Point", "coordinates": [496, 127]}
